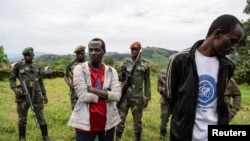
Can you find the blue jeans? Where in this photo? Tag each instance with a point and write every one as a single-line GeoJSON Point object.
{"type": "Point", "coordinates": [90, 136]}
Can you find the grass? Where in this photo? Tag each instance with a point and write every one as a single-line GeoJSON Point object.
{"type": "Point", "coordinates": [58, 111]}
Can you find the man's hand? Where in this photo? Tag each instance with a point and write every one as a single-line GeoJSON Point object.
{"type": "Point", "coordinates": [145, 102]}
{"type": "Point", "coordinates": [45, 101]}
{"type": "Point", "coordinates": [19, 92]}
{"type": "Point", "coordinates": [123, 69]}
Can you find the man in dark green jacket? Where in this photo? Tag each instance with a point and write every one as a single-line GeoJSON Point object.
{"type": "Point", "coordinates": [138, 93]}
{"type": "Point", "coordinates": [68, 77]}
{"type": "Point", "coordinates": [30, 73]}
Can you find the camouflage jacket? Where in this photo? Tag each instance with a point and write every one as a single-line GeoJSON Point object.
{"type": "Point", "coordinates": [161, 83]}
{"type": "Point", "coordinates": [33, 77]}
{"type": "Point", "coordinates": [69, 72]}
{"type": "Point", "coordinates": [140, 81]}
{"type": "Point", "coordinates": [232, 97]}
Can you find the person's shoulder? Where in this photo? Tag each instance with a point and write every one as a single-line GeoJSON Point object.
{"type": "Point", "coordinates": [127, 60]}
{"type": "Point", "coordinates": [163, 71]}
{"type": "Point", "coordinates": [232, 81]}
{"type": "Point", "coordinates": [182, 52]}
{"type": "Point", "coordinates": [71, 63]}
{"type": "Point", "coordinates": [16, 65]}
{"type": "Point", "coordinates": [181, 55]}
{"type": "Point", "coordinates": [229, 60]}
{"type": "Point", "coordinates": [110, 69]}
{"type": "Point", "coordinates": [36, 64]}
{"type": "Point", "coordinates": [83, 64]}
{"type": "Point", "coordinates": [145, 61]}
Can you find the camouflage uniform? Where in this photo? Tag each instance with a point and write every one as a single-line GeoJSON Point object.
{"type": "Point", "coordinates": [68, 77]}
{"type": "Point", "coordinates": [232, 96]}
{"type": "Point", "coordinates": [140, 82]}
{"type": "Point", "coordinates": [165, 109]}
{"type": "Point", "coordinates": [32, 75]}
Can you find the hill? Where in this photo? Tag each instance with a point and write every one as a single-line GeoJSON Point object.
{"type": "Point", "coordinates": [155, 55]}
{"type": "Point", "coordinates": [13, 57]}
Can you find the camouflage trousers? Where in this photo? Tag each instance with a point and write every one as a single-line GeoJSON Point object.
{"type": "Point", "coordinates": [22, 110]}
{"type": "Point", "coordinates": [73, 98]}
{"type": "Point", "coordinates": [135, 104]}
{"type": "Point", "coordinates": [165, 114]}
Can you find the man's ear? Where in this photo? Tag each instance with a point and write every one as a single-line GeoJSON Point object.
{"type": "Point", "coordinates": [217, 33]}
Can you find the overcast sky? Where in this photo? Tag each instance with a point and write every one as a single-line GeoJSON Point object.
{"type": "Point", "coordinates": [58, 26]}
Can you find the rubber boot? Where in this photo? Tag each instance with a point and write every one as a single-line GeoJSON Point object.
{"type": "Point", "coordinates": [44, 131]}
{"type": "Point", "coordinates": [22, 133]}
{"type": "Point", "coordinates": [137, 136]}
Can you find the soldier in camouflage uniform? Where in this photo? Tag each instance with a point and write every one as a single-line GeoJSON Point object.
{"type": "Point", "coordinates": [68, 77]}
{"type": "Point", "coordinates": [165, 109]}
{"type": "Point", "coordinates": [31, 74]}
{"type": "Point", "coordinates": [232, 97]}
{"type": "Point", "coordinates": [138, 93]}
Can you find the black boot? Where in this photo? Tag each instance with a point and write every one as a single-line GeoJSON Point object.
{"type": "Point", "coordinates": [44, 131]}
{"type": "Point", "coordinates": [137, 136]}
{"type": "Point", "coordinates": [22, 133]}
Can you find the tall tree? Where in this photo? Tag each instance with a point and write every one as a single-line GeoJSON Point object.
{"type": "Point", "coordinates": [242, 55]}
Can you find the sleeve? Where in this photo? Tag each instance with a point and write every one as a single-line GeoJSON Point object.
{"type": "Point", "coordinates": [68, 69]}
{"type": "Point", "coordinates": [13, 76]}
{"type": "Point", "coordinates": [236, 99]}
{"type": "Point", "coordinates": [41, 83]}
{"type": "Point", "coordinates": [68, 75]}
{"type": "Point", "coordinates": [115, 93]}
{"type": "Point", "coordinates": [122, 76]}
{"type": "Point", "coordinates": [158, 83]}
{"type": "Point", "coordinates": [171, 85]}
{"type": "Point", "coordinates": [147, 84]}
{"type": "Point", "coordinates": [81, 80]}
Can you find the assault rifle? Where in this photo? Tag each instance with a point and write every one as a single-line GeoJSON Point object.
{"type": "Point", "coordinates": [27, 97]}
{"type": "Point", "coordinates": [127, 81]}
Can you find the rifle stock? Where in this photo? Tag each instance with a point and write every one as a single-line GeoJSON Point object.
{"type": "Point", "coordinates": [127, 82]}
{"type": "Point", "coordinates": [27, 97]}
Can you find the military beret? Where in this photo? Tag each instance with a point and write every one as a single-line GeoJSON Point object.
{"type": "Point", "coordinates": [28, 50]}
{"type": "Point", "coordinates": [135, 44]}
{"type": "Point", "coordinates": [79, 48]}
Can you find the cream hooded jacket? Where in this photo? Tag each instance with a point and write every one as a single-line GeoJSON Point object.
{"type": "Point", "coordinates": [81, 80]}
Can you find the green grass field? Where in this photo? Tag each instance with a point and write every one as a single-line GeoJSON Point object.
{"type": "Point", "coordinates": [58, 111]}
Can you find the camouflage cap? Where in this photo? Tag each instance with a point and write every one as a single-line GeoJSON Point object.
{"type": "Point", "coordinates": [28, 50]}
{"type": "Point", "coordinates": [80, 48]}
